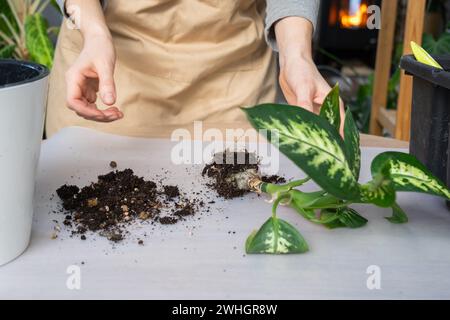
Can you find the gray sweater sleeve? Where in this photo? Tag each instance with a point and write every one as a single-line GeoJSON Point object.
{"type": "Point", "coordinates": [279, 9]}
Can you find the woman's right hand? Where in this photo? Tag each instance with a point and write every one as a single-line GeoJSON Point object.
{"type": "Point", "coordinates": [93, 71]}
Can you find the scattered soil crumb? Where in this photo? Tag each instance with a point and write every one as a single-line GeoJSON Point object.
{"type": "Point", "coordinates": [187, 210]}
{"type": "Point", "coordinates": [171, 191]}
{"type": "Point", "coordinates": [168, 220]}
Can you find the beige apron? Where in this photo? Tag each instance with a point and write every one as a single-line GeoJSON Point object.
{"type": "Point", "coordinates": [177, 61]}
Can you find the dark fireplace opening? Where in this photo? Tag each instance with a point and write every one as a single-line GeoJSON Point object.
{"type": "Point", "coordinates": [343, 30]}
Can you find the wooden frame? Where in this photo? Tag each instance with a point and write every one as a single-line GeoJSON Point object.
{"type": "Point", "coordinates": [397, 123]}
{"type": "Point", "coordinates": [383, 64]}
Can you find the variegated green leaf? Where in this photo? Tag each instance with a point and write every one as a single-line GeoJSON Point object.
{"type": "Point", "coordinates": [398, 215]}
{"type": "Point", "coordinates": [37, 40]}
{"type": "Point", "coordinates": [409, 174]}
{"type": "Point", "coordinates": [249, 240]}
{"type": "Point", "coordinates": [351, 218]}
{"type": "Point", "coordinates": [311, 143]}
{"type": "Point", "coordinates": [329, 218]}
{"type": "Point", "coordinates": [301, 201]}
{"type": "Point", "coordinates": [342, 218]}
{"type": "Point", "coordinates": [336, 224]}
{"type": "Point", "coordinates": [330, 109]}
{"type": "Point", "coordinates": [352, 144]}
{"type": "Point", "coordinates": [306, 213]}
{"type": "Point", "coordinates": [310, 199]}
{"type": "Point", "coordinates": [380, 191]}
{"type": "Point", "coordinates": [307, 203]}
{"type": "Point", "coordinates": [325, 201]}
{"type": "Point", "coordinates": [313, 200]}
{"type": "Point", "coordinates": [276, 237]}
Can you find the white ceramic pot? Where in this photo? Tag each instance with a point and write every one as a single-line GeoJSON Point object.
{"type": "Point", "coordinates": [23, 95]}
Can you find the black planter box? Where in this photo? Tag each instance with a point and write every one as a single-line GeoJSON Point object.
{"type": "Point", "coordinates": [430, 118]}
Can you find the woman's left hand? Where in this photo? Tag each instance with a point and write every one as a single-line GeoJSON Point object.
{"type": "Point", "coordinates": [301, 82]}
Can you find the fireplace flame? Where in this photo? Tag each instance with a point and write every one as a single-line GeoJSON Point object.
{"type": "Point", "coordinates": [354, 18]}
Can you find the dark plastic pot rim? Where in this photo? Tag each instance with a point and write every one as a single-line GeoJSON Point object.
{"type": "Point", "coordinates": [433, 75]}
{"type": "Point", "coordinates": [42, 72]}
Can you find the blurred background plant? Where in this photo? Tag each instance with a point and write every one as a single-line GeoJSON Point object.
{"type": "Point", "coordinates": [24, 31]}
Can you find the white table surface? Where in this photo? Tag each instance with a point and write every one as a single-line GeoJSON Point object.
{"type": "Point", "coordinates": [200, 259]}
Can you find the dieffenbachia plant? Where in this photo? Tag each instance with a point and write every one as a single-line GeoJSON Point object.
{"type": "Point", "coordinates": [333, 162]}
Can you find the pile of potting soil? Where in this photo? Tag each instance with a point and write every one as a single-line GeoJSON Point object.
{"type": "Point", "coordinates": [227, 165]}
{"type": "Point", "coordinates": [118, 199]}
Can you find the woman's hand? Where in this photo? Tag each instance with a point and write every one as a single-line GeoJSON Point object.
{"type": "Point", "coordinates": [93, 71]}
{"type": "Point", "coordinates": [300, 81]}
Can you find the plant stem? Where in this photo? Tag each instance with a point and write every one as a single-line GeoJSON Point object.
{"type": "Point", "coordinates": [298, 183]}
{"type": "Point", "coordinates": [274, 188]}
{"type": "Point", "coordinates": [277, 203]}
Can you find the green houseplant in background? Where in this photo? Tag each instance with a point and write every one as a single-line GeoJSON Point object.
{"type": "Point", "coordinates": [333, 162]}
{"type": "Point", "coordinates": [438, 46]}
{"type": "Point", "coordinates": [24, 32]}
